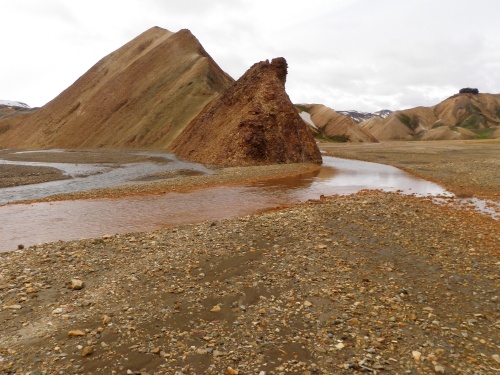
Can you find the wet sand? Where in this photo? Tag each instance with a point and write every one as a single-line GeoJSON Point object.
{"type": "Point", "coordinates": [369, 283]}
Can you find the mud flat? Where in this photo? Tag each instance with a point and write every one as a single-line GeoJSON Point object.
{"type": "Point", "coordinates": [367, 283]}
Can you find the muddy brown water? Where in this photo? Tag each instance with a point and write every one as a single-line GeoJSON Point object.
{"type": "Point", "coordinates": [30, 224]}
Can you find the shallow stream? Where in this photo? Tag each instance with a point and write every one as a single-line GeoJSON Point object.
{"type": "Point", "coordinates": [30, 224]}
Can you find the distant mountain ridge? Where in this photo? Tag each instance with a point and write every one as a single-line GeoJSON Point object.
{"type": "Point", "coordinates": [333, 125]}
{"type": "Point", "coordinates": [359, 117]}
{"type": "Point", "coordinates": [13, 103]}
{"type": "Point", "coordinates": [141, 95]}
{"type": "Point", "coordinates": [465, 115]}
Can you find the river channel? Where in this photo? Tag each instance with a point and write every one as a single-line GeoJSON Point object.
{"type": "Point", "coordinates": [30, 224]}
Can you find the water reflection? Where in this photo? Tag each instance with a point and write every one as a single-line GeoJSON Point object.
{"type": "Point", "coordinates": [96, 176]}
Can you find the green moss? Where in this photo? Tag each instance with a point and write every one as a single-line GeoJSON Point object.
{"type": "Point", "coordinates": [411, 122]}
{"type": "Point", "coordinates": [472, 122]}
{"type": "Point", "coordinates": [483, 133]}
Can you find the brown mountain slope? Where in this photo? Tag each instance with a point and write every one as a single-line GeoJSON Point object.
{"type": "Point", "coordinates": [252, 123]}
{"type": "Point", "coordinates": [141, 95]}
{"type": "Point", "coordinates": [464, 116]}
{"type": "Point", "coordinates": [333, 124]}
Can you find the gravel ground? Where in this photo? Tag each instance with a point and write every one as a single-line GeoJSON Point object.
{"type": "Point", "coordinates": [15, 175]}
{"type": "Point", "coordinates": [370, 283]}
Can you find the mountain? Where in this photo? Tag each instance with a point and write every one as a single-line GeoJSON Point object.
{"type": "Point", "coordinates": [141, 95]}
{"type": "Point", "coordinates": [334, 125]}
{"type": "Point", "coordinates": [465, 115]}
{"type": "Point", "coordinates": [12, 103]}
{"type": "Point", "coordinates": [363, 116]}
{"type": "Point", "coordinates": [10, 108]}
{"type": "Point", "coordinates": [252, 123]}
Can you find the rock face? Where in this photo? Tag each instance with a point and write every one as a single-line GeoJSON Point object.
{"type": "Point", "coordinates": [252, 123]}
{"type": "Point", "coordinates": [336, 126]}
{"type": "Point", "coordinates": [141, 95]}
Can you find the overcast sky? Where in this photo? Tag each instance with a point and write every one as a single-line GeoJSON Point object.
{"type": "Point", "coordinates": [346, 54]}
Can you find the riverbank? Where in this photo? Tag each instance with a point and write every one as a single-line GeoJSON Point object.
{"type": "Point", "coordinates": [374, 282]}
{"type": "Point", "coordinates": [467, 168]}
{"type": "Point", "coordinates": [368, 283]}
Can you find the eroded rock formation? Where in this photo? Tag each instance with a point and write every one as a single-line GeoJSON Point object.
{"type": "Point", "coordinates": [252, 123]}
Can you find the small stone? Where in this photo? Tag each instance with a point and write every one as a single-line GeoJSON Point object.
{"type": "Point", "coordinates": [416, 355]}
{"type": "Point", "coordinates": [496, 357]}
{"type": "Point", "coordinates": [308, 304]}
{"type": "Point", "coordinates": [76, 284]}
{"type": "Point", "coordinates": [58, 311]}
{"type": "Point", "coordinates": [218, 353]}
{"type": "Point", "coordinates": [216, 308]}
{"type": "Point", "coordinates": [20, 246]}
{"type": "Point", "coordinates": [353, 321]}
{"type": "Point", "coordinates": [231, 371]}
{"type": "Point", "coordinates": [201, 351]}
{"type": "Point", "coordinates": [340, 346]}
{"type": "Point", "coordinates": [88, 350]}
{"type": "Point", "coordinates": [438, 369]}
{"type": "Point", "coordinates": [155, 351]}
{"type": "Point", "coordinates": [76, 332]}
{"type": "Point", "coordinates": [13, 307]}
{"type": "Point", "coordinates": [105, 320]}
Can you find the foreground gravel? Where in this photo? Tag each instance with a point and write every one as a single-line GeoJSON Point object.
{"type": "Point", "coordinates": [372, 283]}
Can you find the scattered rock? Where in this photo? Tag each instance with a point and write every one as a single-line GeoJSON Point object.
{"type": "Point", "coordinates": [76, 332]}
{"type": "Point", "coordinates": [88, 350]}
{"type": "Point", "coordinates": [76, 284]}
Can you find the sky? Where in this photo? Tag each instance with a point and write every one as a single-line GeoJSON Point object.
{"type": "Point", "coordinates": [363, 55]}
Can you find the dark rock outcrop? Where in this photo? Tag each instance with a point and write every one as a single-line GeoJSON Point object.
{"type": "Point", "coordinates": [252, 123]}
{"type": "Point", "coordinates": [468, 90]}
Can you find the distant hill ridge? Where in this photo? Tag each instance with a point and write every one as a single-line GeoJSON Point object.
{"type": "Point", "coordinates": [465, 115]}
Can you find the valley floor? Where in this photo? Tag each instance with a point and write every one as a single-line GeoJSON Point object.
{"type": "Point", "coordinates": [368, 283]}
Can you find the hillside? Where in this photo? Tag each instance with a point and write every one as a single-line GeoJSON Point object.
{"type": "Point", "coordinates": [141, 95]}
{"type": "Point", "coordinates": [252, 123]}
{"type": "Point", "coordinates": [462, 116]}
{"type": "Point", "coordinates": [335, 126]}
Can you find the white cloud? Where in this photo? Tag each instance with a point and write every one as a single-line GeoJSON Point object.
{"type": "Point", "coordinates": [347, 54]}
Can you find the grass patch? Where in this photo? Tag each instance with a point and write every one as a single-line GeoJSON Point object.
{"type": "Point", "coordinates": [483, 133]}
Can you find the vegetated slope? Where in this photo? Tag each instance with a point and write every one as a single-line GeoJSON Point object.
{"type": "Point", "coordinates": [252, 123]}
{"type": "Point", "coordinates": [336, 126]}
{"type": "Point", "coordinates": [141, 95]}
{"type": "Point", "coordinates": [462, 116]}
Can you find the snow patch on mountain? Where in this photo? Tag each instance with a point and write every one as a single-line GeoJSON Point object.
{"type": "Point", "coordinates": [307, 118]}
{"type": "Point", "coordinates": [12, 103]}
{"type": "Point", "coordinates": [358, 116]}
